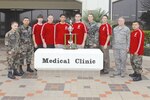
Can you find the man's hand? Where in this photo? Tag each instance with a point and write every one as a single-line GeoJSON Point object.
{"type": "Point", "coordinates": [56, 45]}
{"type": "Point", "coordinates": [82, 45]}
{"type": "Point", "coordinates": [105, 46]}
{"type": "Point", "coordinates": [136, 53]}
{"type": "Point", "coordinates": [9, 52]}
{"type": "Point", "coordinates": [44, 45]}
{"type": "Point", "coordinates": [94, 45]}
{"type": "Point", "coordinates": [35, 45]}
{"type": "Point", "coordinates": [127, 49]}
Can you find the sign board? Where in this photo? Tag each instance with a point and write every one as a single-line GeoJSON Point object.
{"type": "Point", "coordinates": [58, 59]}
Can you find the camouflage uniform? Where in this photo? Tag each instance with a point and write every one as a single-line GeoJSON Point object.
{"type": "Point", "coordinates": [12, 40]}
{"type": "Point", "coordinates": [136, 63]}
{"type": "Point", "coordinates": [120, 43]}
{"type": "Point", "coordinates": [26, 44]}
{"type": "Point", "coordinates": [92, 37]}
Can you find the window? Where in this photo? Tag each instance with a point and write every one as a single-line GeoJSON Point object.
{"type": "Point", "coordinates": [2, 24]}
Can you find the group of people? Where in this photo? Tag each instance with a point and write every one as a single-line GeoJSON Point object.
{"type": "Point", "coordinates": [123, 42]}
{"type": "Point", "coordinates": [22, 41]}
{"type": "Point", "coordinates": [19, 44]}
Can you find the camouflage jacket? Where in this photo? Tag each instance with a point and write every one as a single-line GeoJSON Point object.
{"type": "Point", "coordinates": [25, 35]}
{"type": "Point", "coordinates": [12, 41]}
{"type": "Point", "coordinates": [92, 37]}
{"type": "Point", "coordinates": [121, 37]}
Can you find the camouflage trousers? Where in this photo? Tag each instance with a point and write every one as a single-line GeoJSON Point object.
{"type": "Point", "coordinates": [106, 64]}
{"type": "Point", "coordinates": [120, 56]}
{"type": "Point", "coordinates": [13, 61]}
{"type": "Point", "coordinates": [26, 53]}
{"type": "Point", "coordinates": [136, 63]}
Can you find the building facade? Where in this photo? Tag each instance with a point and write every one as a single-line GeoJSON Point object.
{"type": "Point", "coordinates": [16, 10]}
{"type": "Point", "coordinates": [129, 9]}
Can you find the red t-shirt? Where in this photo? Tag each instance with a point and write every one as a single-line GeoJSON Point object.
{"type": "Point", "coordinates": [137, 42]}
{"type": "Point", "coordinates": [37, 33]}
{"type": "Point", "coordinates": [104, 31]}
{"type": "Point", "coordinates": [80, 30]}
{"type": "Point", "coordinates": [60, 31]}
{"type": "Point", "coordinates": [48, 33]}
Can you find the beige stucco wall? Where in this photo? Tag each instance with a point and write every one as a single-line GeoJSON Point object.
{"type": "Point", "coordinates": [94, 4]}
{"type": "Point", "coordinates": [56, 4]}
{"type": "Point", "coordinates": [40, 4]}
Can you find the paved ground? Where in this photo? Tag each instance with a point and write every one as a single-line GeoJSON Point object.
{"type": "Point", "coordinates": [73, 85]}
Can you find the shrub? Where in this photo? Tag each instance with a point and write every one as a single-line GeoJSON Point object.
{"type": "Point", "coordinates": [147, 37]}
{"type": "Point", "coordinates": [97, 14]}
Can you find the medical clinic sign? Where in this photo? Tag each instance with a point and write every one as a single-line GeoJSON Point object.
{"type": "Point", "coordinates": [47, 59]}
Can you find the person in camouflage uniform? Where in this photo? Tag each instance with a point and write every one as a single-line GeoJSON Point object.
{"type": "Point", "coordinates": [26, 44]}
{"type": "Point", "coordinates": [92, 37]}
{"type": "Point", "coordinates": [12, 40]}
{"type": "Point", "coordinates": [120, 44]}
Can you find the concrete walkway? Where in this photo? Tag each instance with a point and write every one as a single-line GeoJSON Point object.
{"type": "Point", "coordinates": [73, 85]}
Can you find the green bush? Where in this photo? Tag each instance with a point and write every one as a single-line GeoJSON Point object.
{"type": "Point", "coordinates": [97, 14]}
{"type": "Point", "coordinates": [147, 37]}
{"type": "Point", "coordinates": [147, 41]}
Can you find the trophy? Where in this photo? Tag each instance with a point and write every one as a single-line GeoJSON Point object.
{"type": "Point", "coordinates": [70, 39]}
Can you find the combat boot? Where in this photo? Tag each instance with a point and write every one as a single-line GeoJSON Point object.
{"type": "Point", "coordinates": [103, 71]}
{"type": "Point", "coordinates": [21, 70]}
{"type": "Point", "coordinates": [16, 73]}
{"type": "Point", "coordinates": [137, 78]}
{"type": "Point", "coordinates": [133, 75]}
{"type": "Point", "coordinates": [11, 75]}
{"type": "Point", "coordinates": [29, 68]}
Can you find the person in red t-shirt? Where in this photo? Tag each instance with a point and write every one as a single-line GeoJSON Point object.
{"type": "Point", "coordinates": [136, 50]}
{"type": "Point", "coordinates": [105, 32]}
{"type": "Point", "coordinates": [80, 30]}
{"type": "Point", "coordinates": [61, 28]}
{"type": "Point", "coordinates": [37, 33]}
{"type": "Point", "coordinates": [47, 33]}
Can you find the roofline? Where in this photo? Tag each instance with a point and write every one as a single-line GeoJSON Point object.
{"type": "Point", "coordinates": [116, 1]}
